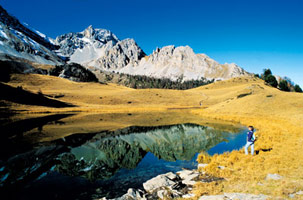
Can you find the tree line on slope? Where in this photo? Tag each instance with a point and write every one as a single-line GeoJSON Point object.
{"type": "Point", "coordinates": [284, 84]}
{"type": "Point", "coordinates": [141, 81]}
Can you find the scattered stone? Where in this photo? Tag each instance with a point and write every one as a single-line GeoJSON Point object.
{"type": "Point", "coordinates": [189, 177]}
{"type": "Point", "coordinates": [184, 173]}
{"type": "Point", "coordinates": [202, 165]}
{"type": "Point", "coordinates": [294, 195]}
{"type": "Point", "coordinates": [212, 197]}
{"type": "Point", "coordinates": [163, 180]}
{"type": "Point", "coordinates": [221, 167]}
{"type": "Point", "coordinates": [240, 196]}
{"type": "Point", "coordinates": [273, 177]}
{"type": "Point", "coordinates": [235, 196]}
{"type": "Point", "coordinates": [167, 194]}
{"type": "Point", "coordinates": [169, 186]}
{"type": "Point", "coordinates": [131, 194]}
{"type": "Point", "coordinates": [185, 196]}
{"type": "Point", "coordinates": [162, 193]}
{"type": "Point", "coordinates": [299, 193]}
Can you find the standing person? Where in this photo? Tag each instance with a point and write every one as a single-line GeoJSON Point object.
{"type": "Point", "coordinates": [250, 140]}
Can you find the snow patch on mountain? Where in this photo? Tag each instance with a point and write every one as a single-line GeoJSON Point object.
{"type": "Point", "coordinates": [85, 46]}
{"type": "Point", "coordinates": [19, 41]}
{"type": "Point", "coordinates": [15, 43]}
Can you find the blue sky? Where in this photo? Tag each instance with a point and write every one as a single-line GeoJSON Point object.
{"type": "Point", "coordinates": [255, 34]}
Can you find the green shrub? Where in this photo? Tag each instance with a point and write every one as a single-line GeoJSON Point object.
{"type": "Point", "coordinates": [283, 85]}
{"type": "Point", "coordinates": [298, 88]}
{"type": "Point", "coordinates": [266, 72]}
{"type": "Point", "coordinates": [271, 80]}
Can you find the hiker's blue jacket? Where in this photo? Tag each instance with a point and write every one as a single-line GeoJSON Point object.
{"type": "Point", "coordinates": [250, 136]}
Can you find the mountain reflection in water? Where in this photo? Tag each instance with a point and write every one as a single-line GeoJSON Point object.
{"type": "Point", "coordinates": [107, 163]}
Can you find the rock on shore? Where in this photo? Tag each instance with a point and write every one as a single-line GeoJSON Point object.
{"type": "Point", "coordinates": [179, 185]}
{"type": "Point", "coordinates": [169, 185]}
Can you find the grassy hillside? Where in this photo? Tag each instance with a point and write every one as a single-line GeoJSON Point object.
{"type": "Point", "coordinates": [276, 115]}
{"type": "Point", "coordinates": [102, 97]}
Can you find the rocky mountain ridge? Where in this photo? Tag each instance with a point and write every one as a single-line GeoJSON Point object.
{"type": "Point", "coordinates": [18, 40]}
{"type": "Point", "coordinates": [101, 50]}
{"type": "Point", "coordinates": [181, 63]}
{"type": "Point", "coordinates": [85, 46]}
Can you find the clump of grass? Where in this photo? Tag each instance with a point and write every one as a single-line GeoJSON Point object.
{"type": "Point", "coordinates": [201, 188]}
{"type": "Point", "coordinates": [203, 157]}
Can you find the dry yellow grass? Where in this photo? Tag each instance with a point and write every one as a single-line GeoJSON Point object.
{"type": "Point", "coordinates": [95, 97]}
{"type": "Point", "coordinates": [276, 115]}
{"type": "Point", "coordinates": [278, 118]}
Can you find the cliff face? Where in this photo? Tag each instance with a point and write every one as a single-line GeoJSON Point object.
{"type": "Point", "coordinates": [85, 46]}
{"type": "Point", "coordinates": [181, 63]}
{"type": "Point", "coordinates": [100, 49]}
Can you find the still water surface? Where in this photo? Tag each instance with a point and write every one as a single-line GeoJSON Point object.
{"type": "Point", "coordinates": [105, 163]}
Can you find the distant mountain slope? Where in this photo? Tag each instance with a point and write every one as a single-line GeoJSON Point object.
{"type": "Point", "coordinates": [101, 49]}
{"type": "Point", "coordinates": [98, 47]}
{"type": "Point", "coordinates": [18, 40]}
{"type": "Point", "coordinates": [181, 63]}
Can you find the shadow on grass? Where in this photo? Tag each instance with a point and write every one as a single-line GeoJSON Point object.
{"type": "Point", "coordinates": [264, 150]}
{"type": "Point", "coordinates": [18, 95]}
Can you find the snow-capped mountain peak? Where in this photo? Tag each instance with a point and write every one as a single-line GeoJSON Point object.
{"type": "Point", "coordinates": [89, 31]}
{"type": "Point", "coordinates": [85, 46]}
{"type": "Point", "coordinates": [102, 50]}
{"type": "Point", "coordinates": [19, 41]}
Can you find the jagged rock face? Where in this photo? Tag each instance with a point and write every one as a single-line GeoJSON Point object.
{"type": "Point", "coordinates": [102, 50]}
{"type": "Point", "coordinates": [179, 63]}
{"type": "Point", "coordinates": [87, 45]}
{"type": "Point", "coordinates": [74, 72]}
{"type": "Point", "coordinates": [182, 64]}
{"type": "Point", "coordinates": [123, 53]}
{"type": "Point", "coordinates": [18, 40]}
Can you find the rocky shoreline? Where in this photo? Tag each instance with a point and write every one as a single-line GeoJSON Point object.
{"type": "Point", "coordinates": [164, 186]}
{"type": "Point", "coordinates": [180, 185]}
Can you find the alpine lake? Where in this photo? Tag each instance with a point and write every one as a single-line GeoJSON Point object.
{"type": "Point", "coordinates": [89, 156]}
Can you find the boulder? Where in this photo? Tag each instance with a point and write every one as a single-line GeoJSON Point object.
{"type": "Point", "coordinates": [273, 177]}
{"type": "Point", "coordinates": [295, 194]}
{"type": "Point", "coordinates": [162, 193]}
{"type": "Point", "coordinates": [131, 194]}
{"type": "Point", "coordinates": [186, 196]}
{"type": "Point", "coordinates": [163, 180]}
{"type": "Point", "coordinates": [202, 165]}
{"type": "Point", "coordinates": [188, 176]}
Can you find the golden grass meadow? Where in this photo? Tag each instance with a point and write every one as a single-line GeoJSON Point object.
{"type": "Point", "coordinates": [276, 115]}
